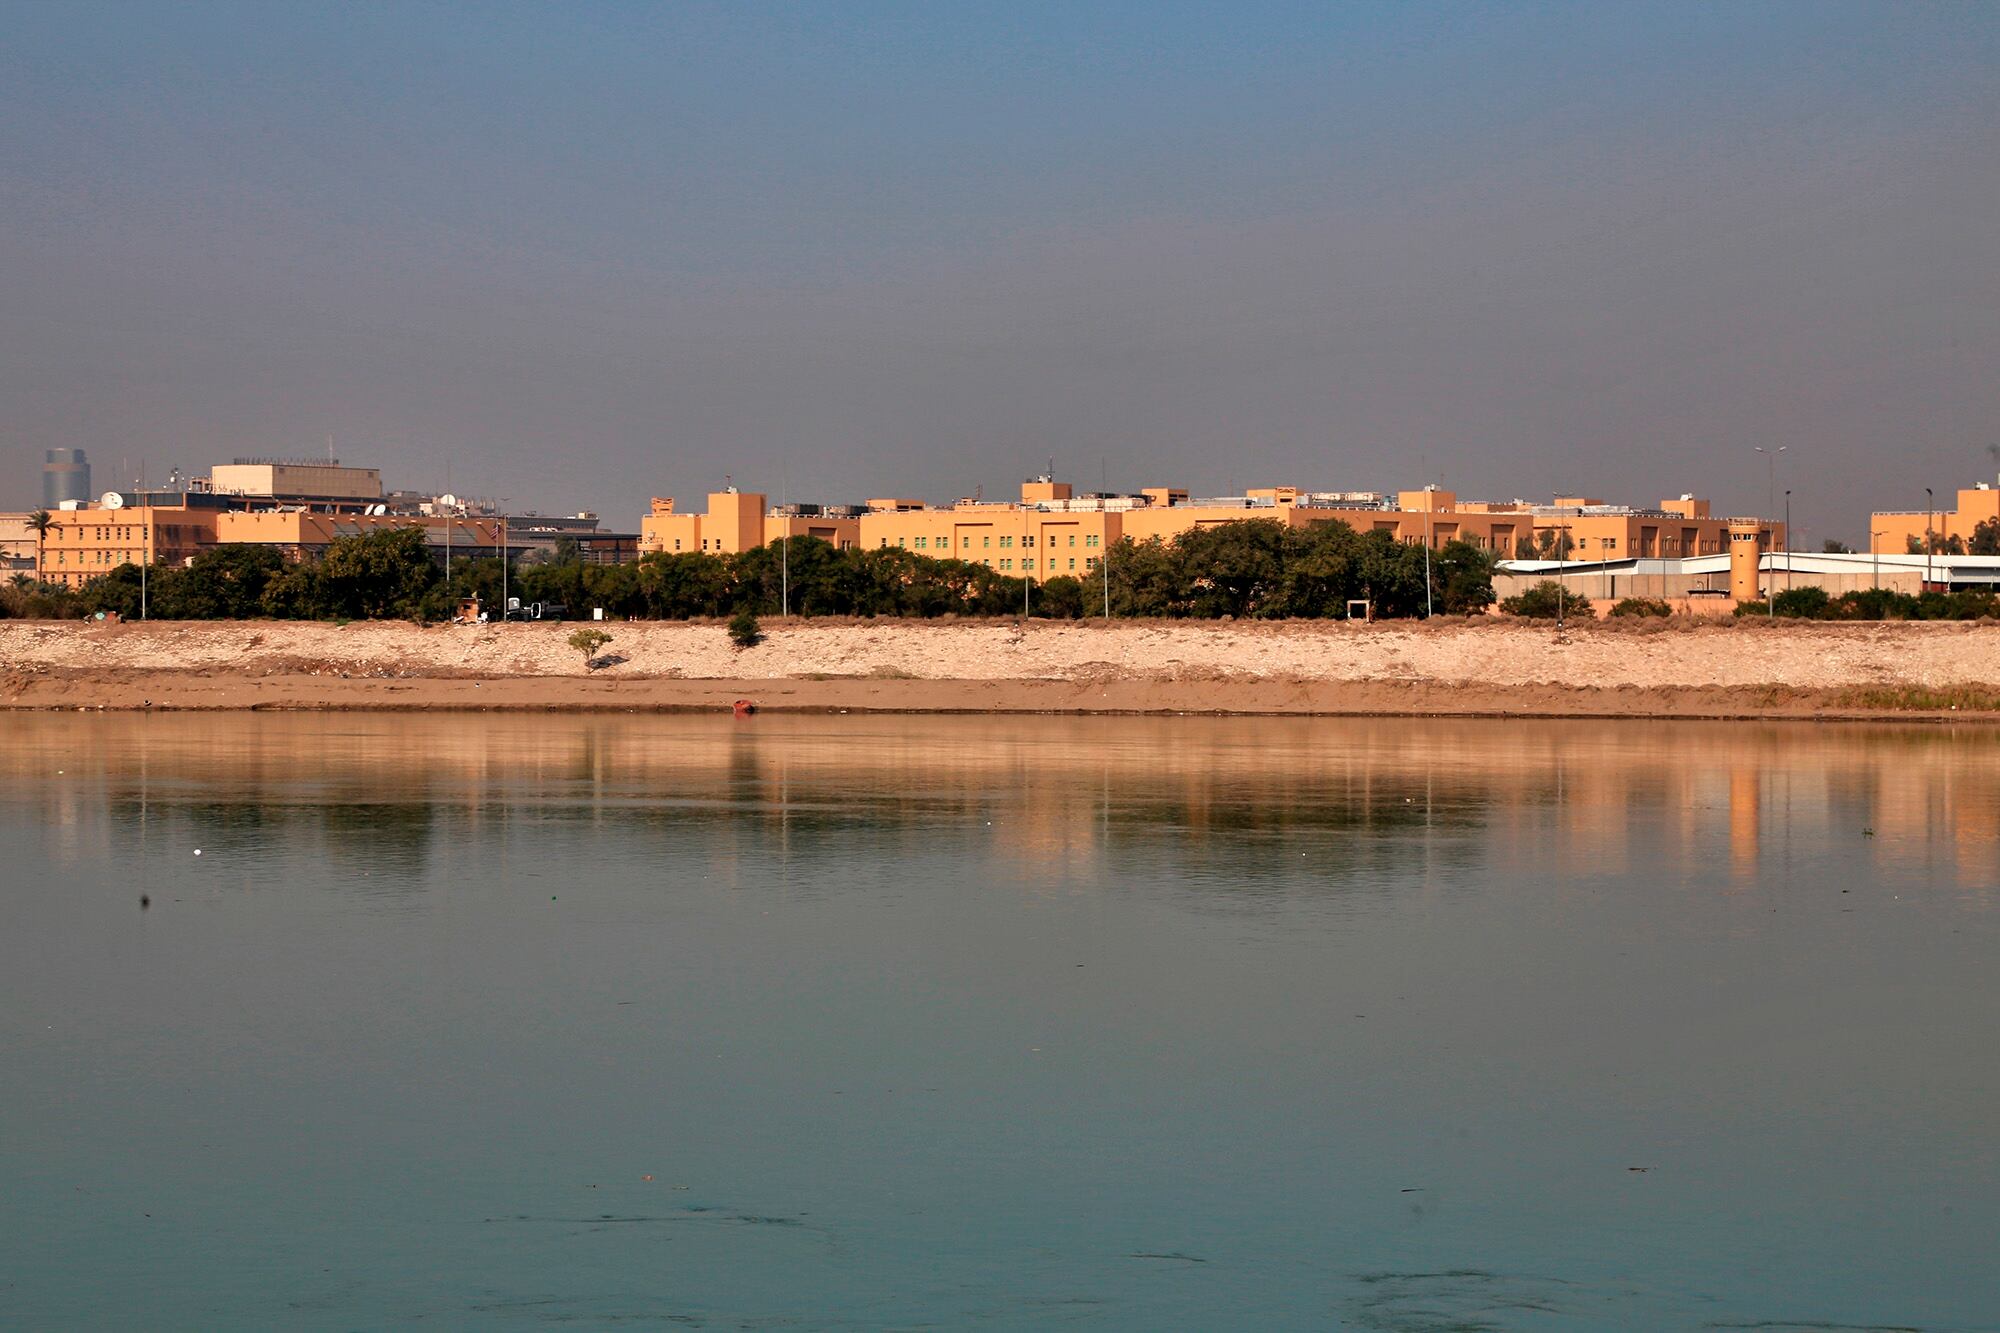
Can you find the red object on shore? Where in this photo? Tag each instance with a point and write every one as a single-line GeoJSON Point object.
{"type": "Point", "coordinates": [744, 708]}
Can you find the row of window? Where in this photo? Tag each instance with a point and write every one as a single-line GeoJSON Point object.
{"type": "Point", "coordinates": [1092, 540]}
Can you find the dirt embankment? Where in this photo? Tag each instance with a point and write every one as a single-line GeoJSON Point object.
{"type": "Point", "coordinates": [1478, 667]}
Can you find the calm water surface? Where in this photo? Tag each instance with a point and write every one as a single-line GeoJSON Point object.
{"type": "Point", "coordinates": [899, 1022]}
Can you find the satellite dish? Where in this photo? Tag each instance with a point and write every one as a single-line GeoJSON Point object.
{"type": "Point", "coordinates": [112, 500]}
{"type": "Point", "coordinates": [448, 500]}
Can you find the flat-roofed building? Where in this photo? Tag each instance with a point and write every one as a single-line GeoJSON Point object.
{"type": "Point", "coordinates": [738, 521]}
{"type": "Point", "coordinates": [1050, 531]}
{"type": "Point", "coordinates": [295, 479]}
{"type": "Point", "coordinates": [87, 541]}
{"type": "Point", "coordinates": [1900, 530]}
{"type": "Point", "coordinates": [298, 534]}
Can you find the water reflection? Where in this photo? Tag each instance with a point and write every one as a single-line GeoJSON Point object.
{"type": "Point", "coordinates": [1233, 802]}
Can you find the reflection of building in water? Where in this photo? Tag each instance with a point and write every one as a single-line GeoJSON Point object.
{"type": "Point", "coordinates": [1238, 799]}
{"type": "Point", "coordinates": [1745, 818]}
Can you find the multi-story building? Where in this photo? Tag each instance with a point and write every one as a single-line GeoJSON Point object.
{"type": "Point", "coordinates": [65, 477]}
{"type": "Point", "coordinates": [737, 521]}
{"type": "Point", "coordinates": [298, 534]}
{"type": "Point", "coordinates": [1051, 530]}
{"type": "Point", "coordinates": [1894, 530]}
{"type": "Point", "coordinates": [87, 541]}
{"type": "Point", "coordinates": [17, 545]}
{"type": "Point", "coordinates": [297, 481]}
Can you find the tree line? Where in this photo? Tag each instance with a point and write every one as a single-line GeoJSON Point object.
{"type": "Point", "coordinates": [1253, 568]}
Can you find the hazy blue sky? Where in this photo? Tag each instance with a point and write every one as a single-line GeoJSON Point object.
{"type": "Point", "coordinates": [589, 253]}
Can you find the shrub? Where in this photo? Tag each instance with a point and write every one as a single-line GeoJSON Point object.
{"type": "Point", "coordinates": [1807, 603]}
{"type": "Point", "coordinates": [743, 629]}
{"type": "Point", "coordinates": [1545, 601]}
{"type": "Point", "coordinates": [1642, 606]}
{"type": "Point", "coordinates": [587, 642]}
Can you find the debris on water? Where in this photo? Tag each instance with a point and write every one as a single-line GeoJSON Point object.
{"type": "Point", "coordinates": [1174, 1255]}
{"type": "Point", "coordinates": [197, 851]}
{"type": "Point", "coordinates": [1640, 1169]}
{"type": "Point", "coordinates": [144, 902]}
{"type": "Point", "coordinates": [645, 1177]}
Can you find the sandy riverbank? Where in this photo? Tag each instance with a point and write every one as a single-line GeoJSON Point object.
{"type": "Point", "coordinates": [1480, 667]}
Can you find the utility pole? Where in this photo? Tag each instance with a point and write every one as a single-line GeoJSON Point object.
{"type": "Point", "coordinates": [1788, 541]}
{"type": "Point", "coordinates": [1930, 504]}
{"type": "Point", "coordinates": [1430, 500]}
{"type": "Point", "coordinates": [145, 538]}
{"type": "Point", "coordinates": [1875, 550]}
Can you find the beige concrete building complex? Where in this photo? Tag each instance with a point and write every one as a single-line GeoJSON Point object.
{"type": "Point", "coordinates": [737, 520]}
{"type": "Point", "coordinates": [1893, 530]}
{"type": "Point", "coordinates": [1051, 530]}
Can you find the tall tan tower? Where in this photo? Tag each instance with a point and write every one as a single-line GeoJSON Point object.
{"type": "Point", "coordinates": [1745, 554]}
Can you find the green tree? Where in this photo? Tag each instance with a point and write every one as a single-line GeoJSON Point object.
{"type": "Point", "coordinates": [378, 575]}
{"type": "Point", "coordinates": [1834, 546]}
{"type": "Point", "coordinates": [1463, 578]}
{"type": "Point", "coordinates": [743, 628]}
{"type": "Point", "coordinates": [41, 522]}
{"type": "Point", "coordinates": [1060, 598]}
{"type": "Point", "coordinates": [1985, 538]}
{"type": "Point", "coordinates": [587, 642]}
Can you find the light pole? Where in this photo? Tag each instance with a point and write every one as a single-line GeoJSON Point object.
{"type": "Point", "coordinates": [1430, 498]}
{"type": "Point", "coordinates": [1788, 541]}
{"type": "Point", "coordinates": [1930, 504]}
{"type": "Point", "coordinates": [1875, 550]}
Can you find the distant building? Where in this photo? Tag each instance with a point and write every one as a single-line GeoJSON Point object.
{"type": "Point", "coordinates": [1050, 530]}
{"type": "Point", "coordinates": [739, 521]}
{"type": "Point", "coordinates": [296, 480]}
{"type": "Point", "coordinates": [65, 477]}
{"type": "Point", "coordinates": [1895, 531]}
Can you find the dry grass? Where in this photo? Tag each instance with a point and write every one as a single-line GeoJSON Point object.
{"type": "Point", "coordinates": [1923, 699]}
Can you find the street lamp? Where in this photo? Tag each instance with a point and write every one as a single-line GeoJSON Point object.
{"type": "Point", "coordinates": [1788, 541]}
{"type": "Point", "coordinates": [1930, 505]}
{"type": "Point", "coordinates": [1875, 550]}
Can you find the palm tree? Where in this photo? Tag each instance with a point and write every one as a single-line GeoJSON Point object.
{"type": "Point", "coordinates": [40, 523]}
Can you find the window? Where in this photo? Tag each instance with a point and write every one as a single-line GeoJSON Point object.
{"type": "Point", "coordinates": [986, 541]}
{"type": "Point", "coordinates": [1072, 539]}
{"type": "Point", "coordinates": [1072, 562]}
{"type": "Point", "coordinates": [677, 543]}
{"type": "Point", "coordinates": [1006, 542]}
{"type": "Point", "coordinates": [1090, 540]}
{"type": "Point", "coordinates": [923, 543]}
{"type": "Point", "coordinates": [1090, 562]}
{"type": "Point", "coordinates": [1006, 564]}
{"type": "Point", "coordinates": [1027, 541]}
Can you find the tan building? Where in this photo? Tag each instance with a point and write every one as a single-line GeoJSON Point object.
{"type": "Point", "coordinates": [1892, 530]}
{"type": "Point", "coordinates": [737, 521]}
{"type": "Point", "coordinates": [268, 478]}
{"type": "Point", "coordinates": [1048, 533]}
{"type": "Point", "coordinates": [298, 534]}
{"type": "Point", "coordinates": [1052, 530]}
{"type": "Point", "coordinates": [17, 545]}
{"type": "Point", "coordinates": [90, 541]}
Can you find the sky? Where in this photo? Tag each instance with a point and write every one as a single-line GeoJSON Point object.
{"type": "Point", "coordinates": [577, 255]}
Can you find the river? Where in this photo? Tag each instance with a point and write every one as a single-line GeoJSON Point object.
{"type": "Point", "coordinates": [370, 1021]}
